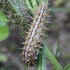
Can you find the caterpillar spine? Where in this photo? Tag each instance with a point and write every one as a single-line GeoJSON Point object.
{"type": "Point", "coordinates": [33, 40]}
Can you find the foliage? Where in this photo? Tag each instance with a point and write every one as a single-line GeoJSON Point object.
{"type": "Point", "coordinates": [67, 67]}
{"type": "Point", "coordinates": [41, 61]}
{"type": "Point", "coordinates": [3, 58]}
{"type": "Point", "coordinates": [4, 30]}
{"type": "Point", "coordinates": [14, 11]}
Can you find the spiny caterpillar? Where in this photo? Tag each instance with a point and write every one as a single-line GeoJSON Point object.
{"type": "Point", "coordinates": [35, 33]}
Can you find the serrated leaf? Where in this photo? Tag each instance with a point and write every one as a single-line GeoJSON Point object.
{"type": "Point", "coordinates": [3, 58]}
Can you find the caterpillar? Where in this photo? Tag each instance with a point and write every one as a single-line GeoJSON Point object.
{"type": "Point", "coordinates": [34, 36]}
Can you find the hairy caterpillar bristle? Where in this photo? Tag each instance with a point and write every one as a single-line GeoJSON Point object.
{"type": "Point", "coordinates": [27, 37]}
{"type": "Point", "coordinates": [46, 29]}
{"type": "Point", "coordinates": [32, 24]}
{"type": "Point", "coordinates": [29, 50]}
{"type": "Point", "coordinates": [47, 22]}
{"type": "Point", "coordinates": [42, 34]}
{"type": "Point", "coordinates": [33, 40]}
{"type": "Point", "coordinates": [39, 26]}
{"type": "Point", "coordinates": [31, 44]}
{"type": "Point", "coordinates": [23, 59]}
{"type": "Point", "coordinates": [39, 42]}
{"type": "Point", "coordinates": [37, 32]}
{"type": "Point", "coordinates": [22, 54]}
{"type": "Point", "coordinates": [28, 24]}
{"type": "Point", "coordinates": [30, 31]}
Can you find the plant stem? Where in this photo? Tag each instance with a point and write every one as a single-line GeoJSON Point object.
{"type": "Point", "coordinates": [52, 59]}
{"type": "Point", "coordinates": [41, 62]}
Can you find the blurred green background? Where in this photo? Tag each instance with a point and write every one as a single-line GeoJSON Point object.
{"type": "Point", "coordinates": [58, 35]}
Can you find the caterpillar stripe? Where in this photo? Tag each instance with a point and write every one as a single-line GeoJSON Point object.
{"type": "Point", "coordinates": [35, 33]}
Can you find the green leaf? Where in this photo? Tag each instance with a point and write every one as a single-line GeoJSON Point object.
{"type": "Point", "coordinates": [52, 59]}
{"type": "Point", "coordinates": [4, 32]}
{"type": "Point", "coordinates": [31, 4]}
{"type": "Point", "coordinates": [15, 6]}
{"type": "Point", "coordinates": [45, 1]}
{"type": "Point", "coordinates": [67, 67]}
{"type": "Point", "coordinates": [28, 4]}
{"type": "Point", "coordinates": [30, 1]}
{"type": "Point", "coordinates": [3, 58]}
{"type": "Point", "coordinates": [2, 23]}
{"type": "Point", "coordinates": [38, 1]}
{"type": "Point", "coordinates": [41, 61]}
{"type": "Point", "coordinates": [2, 68]}
{"type": "Point", "coordinates": [3, 18]}
{"type": "Point", "coordinates": [25, 67]}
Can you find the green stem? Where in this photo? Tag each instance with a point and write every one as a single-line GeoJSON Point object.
{"type": "Point", "coordinates": [52, 59]}
{"type": "Point", "coordinates": [41, 62]}
{"type": "Point", "coordinates": [25, 67]}
{"type": "Point", "coordinates": [57, 50]}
